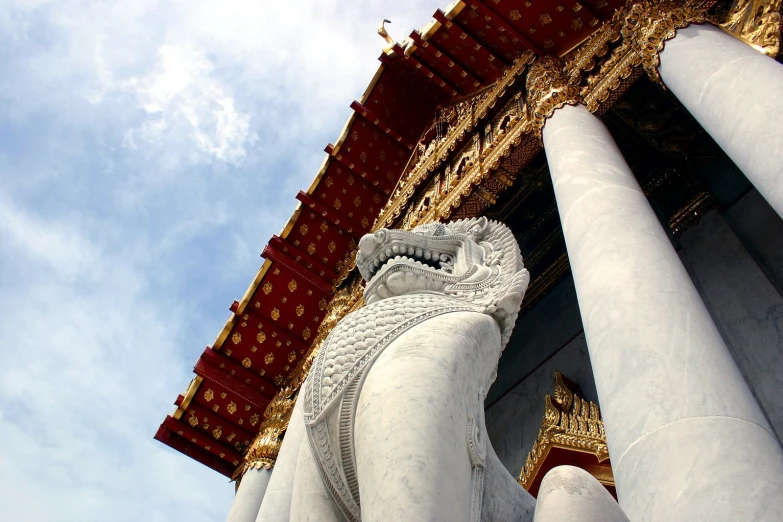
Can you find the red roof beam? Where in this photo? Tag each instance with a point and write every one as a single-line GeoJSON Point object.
{"type": "Point", "coordinates": [331, 216]}
{"type": "Point", "coordinates": [204, 441]}
{"type": "Point", "coordinates": [505, 26]}
{"type": "Point", "coordinates": [279, 256]}
{"type": "Point", "coordinates": [431, 75]}
{"type": "Point", "coordinates": [381, 124]}
{"type": "Point", "coordinates": [471, 40]}
{"type": "Point", "coordinates": [178, 442]}
{"type": "Point", "coordinates": [446, 59]}
{"type": "Point", "coordinates": [229, 425]}
{"type": "Point", "coordinates": [235, 378]}
{"type": "Point", "coordinates": [298, 345]}
{"type": "Point", "coordinates": [329, 149]}
{"type": "Point", "coordinates": [323, 271]}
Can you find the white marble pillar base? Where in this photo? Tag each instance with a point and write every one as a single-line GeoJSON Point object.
{"type": "Point", "coordinates": [662, 370]}
{"type": "Point", "coordinates": [733, 91]}
{"type": "Point", "coordinates": [249, 495]}
{"type": "Point", "coordinates": [569, 493]}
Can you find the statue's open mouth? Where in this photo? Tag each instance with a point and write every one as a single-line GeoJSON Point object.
{"type": "Point", "coordinates": [395, 262]}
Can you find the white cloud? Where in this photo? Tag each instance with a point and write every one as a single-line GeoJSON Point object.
{"type": "Point", "coordinates": [147, 151]}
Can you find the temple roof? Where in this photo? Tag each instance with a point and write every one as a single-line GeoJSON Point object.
{"type": "Point", "coordinates": [464, 49]}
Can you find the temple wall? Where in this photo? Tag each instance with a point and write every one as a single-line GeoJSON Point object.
{"type": "Point", "coordinates": [744, 302]}
{"type": "Point", "coordinates": [734, 257]}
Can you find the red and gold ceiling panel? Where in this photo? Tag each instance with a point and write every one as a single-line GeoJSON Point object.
{"type": "Point", "coordinates": [323, 241]}
{"type": "Point", "coordinates": [350, 204]}
{"type": "Point", "coordinates": [447, 68]}
{"type": "Point", "coordinates": [287, 305]}
{"type": "Point", "coordinates": [475, 57]}
{"type": "Point", "coordinates": [176, 438]}
{"type": "Point", "coordinates": [266, 350]}
{"type": "Point", "coordinates": [405, 99]}
{"type": "Point", "coordinates": [490, 29]}
{"type": "Point", "coordinates": [554, 26]}
{"type": "Point", "coordinates": [225, 431]}
{"type": "Point", "coordinates": [350, 196]}
{"type": "Point", "coordinates": [372, 152]}
{"type": "Point", "coordinates": [197, 439]}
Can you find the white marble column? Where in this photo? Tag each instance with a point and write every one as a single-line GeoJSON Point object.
{"type": "Point", "coordinates": [569, 493]}
{"type": "Point", "coordinates": [249, 495]}
{"type": "Point", "coordinates": [733, 91]}
{"type": "Point", "coordinates": [276, 506]}
{"type": "Point", "coordinates": [686, 437]}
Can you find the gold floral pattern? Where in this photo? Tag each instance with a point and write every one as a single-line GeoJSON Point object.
{"type": "Point", "coordinates": [300, 310]}
{"type": "Point", "coordinates": [292, 285]}
{"type": "Point", "coordinates": [267, 288]}
{"type": "Point", "coordinates": [269, 358]}
{"type": "Point", "coordinates": [209, 395]}
{"type": "Point", "coordinates": [311, 248]}
{"type": "Point", "coordinates": [303, 229]}
{"type": "Point", "coordinates": [275, 314]}
{"type": "Point", "coordinates": [217, 432]}
{"type": "Point", "coordinates": [292, 356]}
{"type": "Point", "coordinates": [254, 419]}
{"type": "Point", "coordinates": [261, 337]}
{"type": "Point", "coordinates": [236, 338]}
{"type": "Point", "coordinates": [231, 407]}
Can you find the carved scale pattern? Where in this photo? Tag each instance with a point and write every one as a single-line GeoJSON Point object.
{"type": "Point", "coordinates": [336, 377]}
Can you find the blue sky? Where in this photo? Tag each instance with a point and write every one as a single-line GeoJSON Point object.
{"type": "Point", "coordinates": [148, 150]}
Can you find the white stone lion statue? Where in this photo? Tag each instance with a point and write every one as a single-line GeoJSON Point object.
{"type": "Point", "coordinates": [393, 405]}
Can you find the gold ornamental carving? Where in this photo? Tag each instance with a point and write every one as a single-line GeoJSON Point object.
{"type": "Point", "coordinates": [648, 24]}
{"type": "Point", "coordinates": [571, 423]}
{"type": "Point", "coordinates": [757, 23]}
{"type": "Point", "coordinates": [548, 89]}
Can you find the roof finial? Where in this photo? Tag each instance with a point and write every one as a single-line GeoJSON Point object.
{"type": "Point", "coordinates": [390, 43]}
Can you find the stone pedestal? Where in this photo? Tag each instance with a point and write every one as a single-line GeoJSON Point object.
{"type": "Point", "coordinates": [734, 93]}
{"type": "Point", "coordinates": [277, 500]}
{"type": "Point", "coordinates": [249, 495]}
{"type": "Point", "coordinates": [686, 437]}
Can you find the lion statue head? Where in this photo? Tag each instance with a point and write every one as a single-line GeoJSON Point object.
{"type": "Point", "coordinates": [474, 261]}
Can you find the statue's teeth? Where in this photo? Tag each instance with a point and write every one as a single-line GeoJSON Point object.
{"type": "Point", "coordinates": [444, 258]}
{"type": "Point", "coordinates": [377, 262]}
{"type": "Point", "coordinates": [389, 252]}
{"type": "Point", "coordinates": [383, 256]}
{"type": "Point", "coordinates": [411, 250]}
{"type": "Point", "coordinates": [427, 255]}
{"type": "Point", "coordinates": [396, 249]}
{"type": "Point", "coordinates": [419, 252]}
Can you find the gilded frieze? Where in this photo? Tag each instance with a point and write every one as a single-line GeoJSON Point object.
{"type": "Point", "coordinates": [756, 22]}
